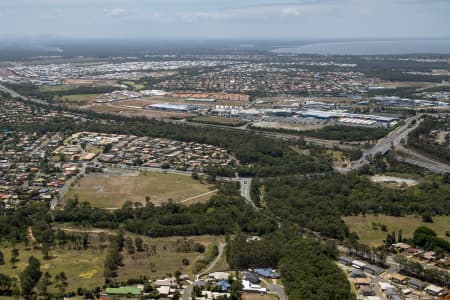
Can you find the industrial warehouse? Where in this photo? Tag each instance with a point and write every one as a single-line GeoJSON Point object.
{"type": "Point", "coordinates": [292, 115]}
{"type": "Point", "coordinates": [172, 107]}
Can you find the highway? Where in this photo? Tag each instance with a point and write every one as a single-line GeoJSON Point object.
{"type": "Point", "coordinates": [385, 144]}
{"type": "Point", "coordinates": [17, 95]}
{"type": "Point", "coordinates": [412, 157]}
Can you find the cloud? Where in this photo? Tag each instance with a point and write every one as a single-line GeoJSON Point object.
{"type": "Point", "coordinates": [291, 11]}
{"type": "Point", "coordinates": [226, 18]}
{"type": "Point", "coordinates": [116, 12]}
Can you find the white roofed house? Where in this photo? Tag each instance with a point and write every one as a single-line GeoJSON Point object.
{"type": "Point", "coordinates": [170, 282]}
{"type": "Point", "coordinates": [219, 276]}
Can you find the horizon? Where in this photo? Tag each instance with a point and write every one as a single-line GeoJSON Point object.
{"type": "Point", "coordinates": [220, 19]}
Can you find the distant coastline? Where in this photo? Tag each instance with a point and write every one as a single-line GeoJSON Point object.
{"type": "Point", "coordinates": [378, 47]}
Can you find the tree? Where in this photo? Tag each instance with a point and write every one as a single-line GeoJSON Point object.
{"type": "Point", "coordinates": [177, 275]}
{"type": "Point", "coordinates": [176, 295]}
{"type": "Point", "coordinates": [61, 282]}
{"type": "Point", "coordinates": [185, 262]}
{"type": "Point", "coordinates": [45, 251]}
{"type": "Point", "coordinates": [427, 218]}
{"type": "Point", "coordinates": [139, 244]}
{"type": "Point", "coordinates": [85, 241]}
{"type": "Point", "coordinates": [6, 284]}
{"type": "Point", "coordinates": [30, 277]}
{"type": "Point", "coordinates": [147, 201]}
{"type": "Point", "coordinates": [14, 257]}
{"type": "Point", "coordinates": [44, 283]}
{"type": "Point", "coordinates": [129, 245]}
{"type": "Point", "coordinates": [2, 258]}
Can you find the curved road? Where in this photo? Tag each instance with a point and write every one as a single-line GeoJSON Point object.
{"type": "Point", "coordinates": [188, 290]}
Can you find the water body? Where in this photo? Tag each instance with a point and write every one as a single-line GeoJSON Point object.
{"type": "Point", "coordinates": [386, 47]}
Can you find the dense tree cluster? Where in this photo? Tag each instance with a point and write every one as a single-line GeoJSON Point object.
{"type": "Point", "coordinates": [337, 133]}
{"type": "Point", "coordinates": [221, 215]}
{"type": "Point", "coordinates": [348, 133]}
{"type": "Point", "coordinates": [305, 264]}
{"type": "Point", "coordinates": [393, 69]}
{"type": "Point", "coordinates": [30, 277]}
{"type": "Point", "coordinates": [423, 140]}
{"type": "Point", "coordinates": [318, 202]}
{"type": "Point", "coordinates": [30, 90]}
{"type": "Point", "coordinates": [7, 285]}
{"type": "Point", "coordinates": [427, 238]}
{"type": "Point", "coordinates": [114, 258]}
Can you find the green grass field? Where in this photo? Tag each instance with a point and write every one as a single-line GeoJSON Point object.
{"type": "Point", "coordinates": [134, 85]}
{"type": "Point", "coordinates": [112, 191]}
{"type": "Point", "coordinates": [76, 98]}
{"type": "Point", "coordinates": [369, 236]}
{"type": "Point", "coordinates": [83, 268]}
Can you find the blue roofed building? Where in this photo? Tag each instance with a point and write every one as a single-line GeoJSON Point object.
{"type": "Point", "coordinates": [224, 285]}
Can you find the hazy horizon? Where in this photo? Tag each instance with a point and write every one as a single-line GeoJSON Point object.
{"type": "Point", "coordinates": [224, 19]}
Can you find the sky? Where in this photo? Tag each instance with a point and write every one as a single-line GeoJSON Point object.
{"type": "Point", "coordinates": [225, 19]}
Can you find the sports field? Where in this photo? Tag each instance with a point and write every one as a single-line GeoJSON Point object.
{"type": "Point", "coordinates": [113, 190]}
{"type": "Point", "coordinates": [374, 236]}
